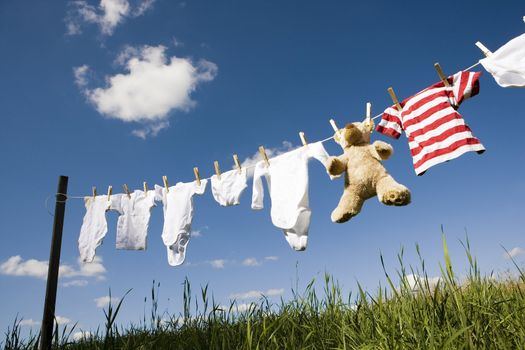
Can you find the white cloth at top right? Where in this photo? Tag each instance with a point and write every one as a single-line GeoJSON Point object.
{"type": "Point", "coordinates": [507, 64]}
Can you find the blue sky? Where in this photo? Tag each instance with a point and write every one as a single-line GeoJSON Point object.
{"type": "Point", "coordinates": [246, 74]}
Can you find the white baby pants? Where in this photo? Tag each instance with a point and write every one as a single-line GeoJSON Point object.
{"type": "Point", "coordinates": [228, 190]}
{"type": "Point", "coordinates": [94, 226]}
{"type": "Point", "coordinates": [178, 215]}
{"type": "Point", "coordinates": [133, 222]}
{"type": "Point", "coordinates": [287, 179]}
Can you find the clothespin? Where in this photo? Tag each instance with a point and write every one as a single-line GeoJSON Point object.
{"type": "Point", "coordinates": [197, 176]}
{"type": "Point", "coordinates": [368, 121]}
{"type": "Point", "coordinates": [303, 138]}
{"type": "Point", "coordinates": [94, 191]}
{"type": "Point", "coordinates": [263, 154]}
{"type": "Point", "coordinates": [334, 126]}
{"type": "Point", "coordinates": [217, 169]}
{"type": "Point", "coordinates": [441, 74]}
{"type": "Point", "coordinates": [145, 185]}
{"type": "Point", "coordinates": [110, 190]}
{"type": "Point", "coordinates": [126, 189]}
{"type": "Point", "coordinates": [165, 180]}
{"type": "Point", "coordinates": [237, 163]}
{"type": "Point", "coordinates": [394, 98]}
{"type": "Point", "coordinates": [483, 49]}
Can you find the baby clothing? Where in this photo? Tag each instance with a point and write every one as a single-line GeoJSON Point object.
{"type": "Point", "coordinates": [287, 179]}
{"type": "Point", "coordinates": [94, 226]}
{"type": "Point", "coordinates": [507, 64]}
{"type": "Point", "coordinates": [132, 224]}
{"type": "Point", "coordinates": [435, 130]}
{"type": "Point", "coordinates": [178, 215]}
{"type": "Point", "coordinates": [228, 190]}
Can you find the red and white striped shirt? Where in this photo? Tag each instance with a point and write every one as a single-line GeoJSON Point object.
{"type": "Point", "coordinates": [436, 132]}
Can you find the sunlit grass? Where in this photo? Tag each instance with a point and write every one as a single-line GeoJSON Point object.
{"type": "Point", "coordinates": [476, 312]}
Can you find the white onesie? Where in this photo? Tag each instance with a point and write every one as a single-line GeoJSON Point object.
{"type": "Point", "coordinates": [228, 190]}
{"type": "Point", "coordinates": [287, 178]}
{"type": "Point", "coordinates": [178, 214]}
{"type": "Point", "coordinates": [132, 225]}
{"type": "Point", "coordinates": [94, 226]}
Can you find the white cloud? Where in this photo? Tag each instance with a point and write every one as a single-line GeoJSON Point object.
{"type": "Point", "coordinates": [75, 283]}
{"type": "Point", "coordinates": [270, 152]}
{"type": "Point", "coordinates": [107, 15]}
{"type": "Point", "coordinates": [60, 320]}
{"type": "Point", "coordinates": [514, 252]}
{"type": "Point", "coordinates": [416, 282]}
{"type": "Point", "coordinates": [80, 75]}
{"type": "Point", "coordinates": [77, 336]}
{"type": "Point", "coordinates": [238, 307]}
{"type": "Point", "coordinates": [217, 263]}
{"type": "Point", "coordinates": [176, 42]}
{"type": "Point", "coordinates": [102, 302]}
{"type": "Point", "coordinates": [152, 86]}
{"type": "Point", "coordinates": [150, 130]}
{"type": "Point", "coordinates": [254, 294]}
{"type": "Point", "coordinates": [16, 266]}
{"type": "Point", "coordinates": [196, 233]}
{"type": "Point", "coordinates": [144, 6]}
{"type": "Point", "coordinates": [271, 258]}
{"type": "Point", "coordinates": [29, 323]}
{"type": "Point", "coordinates": [251, 262]}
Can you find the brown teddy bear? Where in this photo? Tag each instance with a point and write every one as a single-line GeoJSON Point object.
{"type": "Point", "coordinates": [365, 175]}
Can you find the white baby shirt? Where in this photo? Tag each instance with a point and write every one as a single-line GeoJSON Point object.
{"type": "Point", "coordinates": [507, 64]}
{"type": "Point", "coordinates": [228, 190]}
{"type": "Point", "coordinates": [132, 224]}
{"type": "Point", "coordinates": [287, 179]}
{"type": "Point", "coordinates": [178, 215]}
{"type": "Point", "coordinates": [94, 226]}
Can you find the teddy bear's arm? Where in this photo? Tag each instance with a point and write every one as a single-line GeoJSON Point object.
{"type": "Point", "coordinates": [336, 165]}
{"type": "Point", "coordinates": [384, 149]}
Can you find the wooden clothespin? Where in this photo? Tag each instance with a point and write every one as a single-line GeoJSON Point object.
{"type": "Point", "coordinates": [394, 98]}
{"type": "Point", "coordinates": [94, 191]}
{"type": "Point", "coordinates": [126, 190]}
{"type": "Point", "coordinates": [197, 176]}
{"type": "Point", "coordinates": [303, 138]}
{"type": "Point", "coordinates": [263, 154]}
{"type": "Point", "coordinates": [145, 185]}
{"type": "Point", "coordinates": [217, 169]}
{"type": "Point", "coordinates": [237, 163]}
{"type": "Point", "coordinates": [368, 121]}
{"type": "Point", "coordinates": [483, 49]}
{"type": "Point", "coordinates": [441, 74]}
{"type": "Point", "coordinates": [165, 180]}
{"type": "Point", "coordinates": [110, 190]}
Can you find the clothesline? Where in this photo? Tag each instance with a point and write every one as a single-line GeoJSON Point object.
{"type": "Point", "coordinates": [253, 166]}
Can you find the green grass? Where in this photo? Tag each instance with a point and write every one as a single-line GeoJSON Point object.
{"type": "Point", "coordinates": [479, 312]}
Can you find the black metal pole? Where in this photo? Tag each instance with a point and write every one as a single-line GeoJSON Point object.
{"type": "Point", "coordinates": [46, 333]}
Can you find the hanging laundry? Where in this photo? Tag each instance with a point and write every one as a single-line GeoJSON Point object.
{"type": "Point", "coordinates": [287, 179]}
{"type": "Point", "coordinates": [228, 190]}
{"type": "Point", "coordinates": [507, 64]}
{"type": "Point", "coordinates": [132, 224]}
{"type": "Point", "coordinates": [178, 215]}
{"type": "Point", "coordinates": [435, 130]}
{"type": "Point", "coordinates": [94, 226]}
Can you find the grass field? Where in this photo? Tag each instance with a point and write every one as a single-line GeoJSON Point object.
{"type": "Point", "coordinates": [478, 312]}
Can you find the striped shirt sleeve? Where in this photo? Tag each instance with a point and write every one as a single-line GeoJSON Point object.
{"type": "Point", "coordinates": [466, 85]}
{"type": "Point", "coordinates": [390, 124]}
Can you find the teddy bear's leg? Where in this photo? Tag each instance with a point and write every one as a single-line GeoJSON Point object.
{"type": "Point", "coordinates": [349, 205]}
{"type": "Point", "coordinates": [391, 192]}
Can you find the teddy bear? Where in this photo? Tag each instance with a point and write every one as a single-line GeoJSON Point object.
{"type": "Point", "coordinates": [365, 175]}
